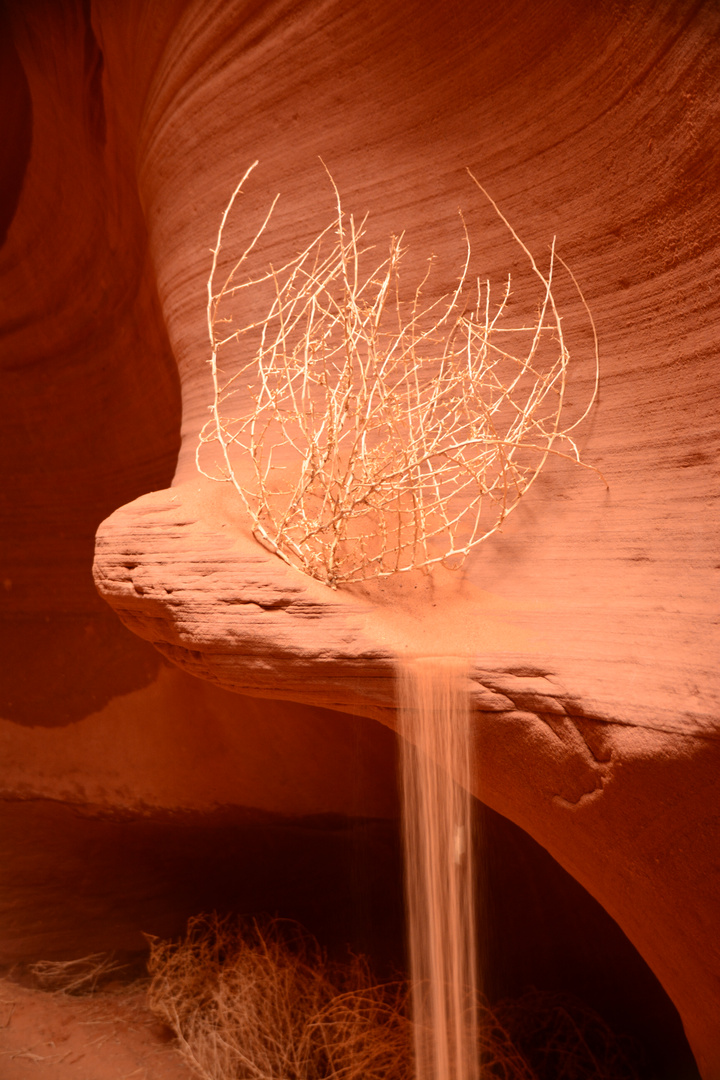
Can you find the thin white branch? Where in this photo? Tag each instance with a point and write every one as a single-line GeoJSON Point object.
{"type": "Point", "coordinates": [409, 422]}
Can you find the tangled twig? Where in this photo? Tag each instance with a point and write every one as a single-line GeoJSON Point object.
{"type": "Point", "coordinates": [415, 427]}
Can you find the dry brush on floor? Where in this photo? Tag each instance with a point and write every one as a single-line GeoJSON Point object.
{"type": "Point", "coordinates": [84, 975]}
{"type": "Point", "coordinates": [258, 1000]}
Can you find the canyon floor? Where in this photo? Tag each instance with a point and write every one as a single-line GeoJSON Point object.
{"type": "Point", "coordinates": [110, 1035]}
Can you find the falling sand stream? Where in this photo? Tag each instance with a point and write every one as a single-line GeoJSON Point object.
{"type": "Point", "coordinates": [439, 873]}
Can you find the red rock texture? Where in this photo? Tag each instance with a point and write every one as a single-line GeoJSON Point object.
{"type": "Point", "coordinates": [591, 619]}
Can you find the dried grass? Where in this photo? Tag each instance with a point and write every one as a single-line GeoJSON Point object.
{"type": "Point", "coordinates": [84, 975]}
{"type": "Point", "coordinates": [252, 1000]}
{"type": "Point", "coordinates": [565, 1039]}
{"type": "Point", "coordinates": [258, 1000]}
{"type": "Point", "coordinates": [415, 426]}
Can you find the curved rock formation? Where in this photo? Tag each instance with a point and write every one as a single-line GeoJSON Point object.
{"type": "Point", "coordinates": [592, 616]}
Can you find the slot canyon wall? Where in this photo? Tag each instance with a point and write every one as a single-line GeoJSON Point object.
{"type": "Point", "coordinates": [230, 745]}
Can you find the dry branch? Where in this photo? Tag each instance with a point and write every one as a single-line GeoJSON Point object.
{"type": "Point", "coordinates": [414, 426]}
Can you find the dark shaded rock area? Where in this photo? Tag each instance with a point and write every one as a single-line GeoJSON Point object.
{"type": "Point", "coordinates": [60, 667]}
{"type": "Point", "coordinates": [74, 883]}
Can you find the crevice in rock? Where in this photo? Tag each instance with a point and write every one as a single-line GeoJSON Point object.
{"type": "Point", "coordinates": [16, 126]}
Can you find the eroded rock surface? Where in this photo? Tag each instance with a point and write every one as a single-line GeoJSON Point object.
{"type": "Point", "coordinates": [591, 620]}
